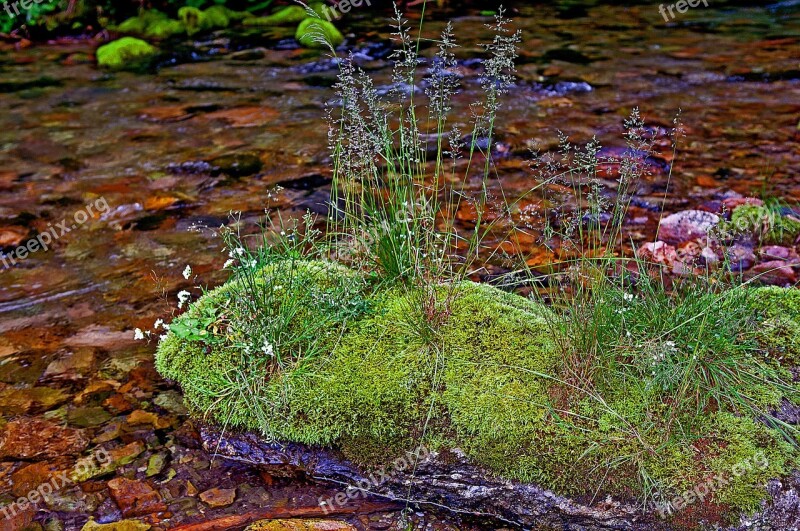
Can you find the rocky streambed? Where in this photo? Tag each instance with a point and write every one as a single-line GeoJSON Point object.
{"type": "Point", "coordinates": [224, 121]}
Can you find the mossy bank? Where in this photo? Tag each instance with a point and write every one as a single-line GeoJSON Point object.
{"type": "Point", "coordinates": [488, 378]}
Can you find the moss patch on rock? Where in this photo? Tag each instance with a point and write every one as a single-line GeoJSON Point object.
{"type": "Point", "coordinates": [152, 24]}
{"type": "Point", "coordinates": [125, 53]}
{"type": "Point", "coordinates": [314, 33]}
{"type": "Point", "coordinates": [488, 377]}
{"type": "Point", "coordinates": [770, 224]}
{"type": "Point", "coordinates": [288, 16]}
{"type": "Point", "coordinates": [780, 327]}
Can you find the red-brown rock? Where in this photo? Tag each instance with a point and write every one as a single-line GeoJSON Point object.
{"type": "Point", "coordinates": [29, 438]}
{"type": "Point", "coordinates": [135, 498]}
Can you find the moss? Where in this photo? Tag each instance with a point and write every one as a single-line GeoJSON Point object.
{"type": "Point", "coordinates": [311, 31]}
{"type": "Point", "coordinates": [152, 24]}
{"type": "Point", "coordinates": [125, 53]}
{"type": "Point", "coordinates": [747, 456]}
{"type": "Point", "coordinates": [489, 380]}
{"type": "Point", "coordinates": [194, 19]}
{"type": "Point", "coordinates": [779, 332]}
{"type": "Point", "coordinates": [287, 16]}
{"type": "Point", "coordinates": [768, 223]}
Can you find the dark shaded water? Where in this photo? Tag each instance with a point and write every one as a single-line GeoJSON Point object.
{"type": "Point", "coordinates": [72, 136]}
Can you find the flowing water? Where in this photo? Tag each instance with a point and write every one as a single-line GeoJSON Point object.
{"type": "Point", "coordinates": [115, 168]}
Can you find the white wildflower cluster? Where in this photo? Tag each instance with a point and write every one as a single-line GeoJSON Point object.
{"type": "Point", "coordinates": [659, 353]}
{"type": "Point", "coordinates": [141, 335]}
{"type": "Point", "coordinates": [183, 298]}
{"type": "Point", "coordinates": [268, 349]}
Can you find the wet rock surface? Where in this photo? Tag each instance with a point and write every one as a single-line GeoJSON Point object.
{"type": "Point", "coordinates": [448, 480]}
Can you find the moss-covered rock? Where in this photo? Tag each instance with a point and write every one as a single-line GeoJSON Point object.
{"type": "Point", "coordinates": [487, 376]}
{"type": "Point", "coordinates": [215, 17]}
{"type": "Point", "coordinates": [779, 330]}
{"type": "Point", "coordinates": [769, 224]}
{"type": "Point", "coordinates": [288, 16]}
{"type": "Point", "coordinates": [152, 24]}
{"type": "Point", "coordinates": [125, 53]}
{"type": "Point", "coordinates": [315, 33]}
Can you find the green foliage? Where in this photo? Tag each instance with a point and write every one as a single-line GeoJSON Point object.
{"type": "Point", "coordinates": [287, 16]}
{"type": "Point", "coordinates": [215, 17]}
{"type": "Point", "coordinates": [779, 328]}
{"type": "Point", "coordinates": [769, 223]}
{"type": "Point", "coordinates": [35, 15]}
{"type": "Point", "coordinates": [152, 24]}
{"type": "Point", "coordinates": [318, 33]}
{"type": "Point", "coordinates": [125, 53]}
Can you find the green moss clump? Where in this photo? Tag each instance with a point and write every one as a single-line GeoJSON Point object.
{"type": "Point", "coordinates": [284, 17]}
{"type": "Point", "coordinates": [768, 223]}
{"type": "Point", "coordinates": [488, 378]}
{"type": "Point", "coordinates": [125, 53]}
{"type": "Point", "coordinates": [152, 24]}
{"type": "Point", "coordinates": [314, 32]}
{"type": "Point", "coordinates": [779, 332]}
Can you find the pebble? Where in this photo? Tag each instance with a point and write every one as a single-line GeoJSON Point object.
{"type": "Point", "coordinates": [687, 225]}
{"type": "Point", "coordinates": [218, 497]}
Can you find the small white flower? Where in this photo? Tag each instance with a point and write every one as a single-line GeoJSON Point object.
{"type": "Point", "coordinates": [628, 297]}
{"type": "Point", "coordinates": [187, 272]}
{"type": "Point", "coordinates": [228, 264]}
{"type": "Point", "coordinates": [268, 349]}
{"type": "Point", "coordinates": [158, 324]}
{"type": "Point", "coordinates": [236, 252]}
{"type": "Point", "coordinates": [138, 335]}
{"type": "Point", "coordinates": [183, 298]}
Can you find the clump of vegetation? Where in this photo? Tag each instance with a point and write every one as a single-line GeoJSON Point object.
{"type": "Point", "coordinates": [773, 223]}
{"type": "Point", "coordinates": [371, 336]}
{"type": "Point", "coordinates": [127, 52]}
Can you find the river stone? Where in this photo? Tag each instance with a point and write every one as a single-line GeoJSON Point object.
{"type": "Point", "coordinates": [215, 498]}
{"type": "Point", "coordinates": [451, 482]}
{"type": "Point", "coordinates": [300, 525]}
{"type": "Point", "coordinates": [122, 525]}
{"type": "Point", "coordinates": [687, 225]}
{"type": "Point", "coordinates": [29, 438]}
{"type": "Point", "coordinates": [236, 165]}
{"type": "Point", "coordinates": [135, 498]}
